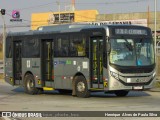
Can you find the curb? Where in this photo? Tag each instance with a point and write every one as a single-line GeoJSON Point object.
{"type": "Point", "coordinates": [155, 90]}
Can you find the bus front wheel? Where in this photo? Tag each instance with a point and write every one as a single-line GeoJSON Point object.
{"type": "Point", "coordinates": [29, 85]}
{"type": "Point", "coordinates": [81, 87]}
{"type": "Point", "coordinates": [121, 93]}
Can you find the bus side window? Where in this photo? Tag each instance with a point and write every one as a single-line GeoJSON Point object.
{"type": "Point", "coordinates": [77, 45]}
{"type": "Point", "coordinates": [81, 50]}
{"type": "Point", "coordinates": [32, 48]}
{"type": "Point", "coordinates": [73, 49]}
{"type": "Point", "coordinates": [64, 50]}
{"type": "Point", "coordinates": [61, 46]}
{"type": "Point", "coordinates": [56, 48]}
{"type": "Point", "coordinates": [81, 46]}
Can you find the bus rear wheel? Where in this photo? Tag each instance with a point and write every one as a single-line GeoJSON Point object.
{"type": "Point", "coordinates": [81, 87]}
{"type": "Point", "coordinates": [29, 85]}
{"type": "Point", "coordinates": [121, 93]}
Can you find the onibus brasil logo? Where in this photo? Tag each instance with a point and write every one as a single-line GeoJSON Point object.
{"type": "Point", "coordinates": [16, 16]}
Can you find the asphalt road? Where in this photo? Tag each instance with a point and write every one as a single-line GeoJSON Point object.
{"type": "Point", "coordinates": [14, 99]}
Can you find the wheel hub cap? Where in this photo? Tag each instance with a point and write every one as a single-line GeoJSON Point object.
{"type": "Point", "coordinates": [80, 87]}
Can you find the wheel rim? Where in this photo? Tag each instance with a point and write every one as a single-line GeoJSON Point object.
{"type": "Point", "coordinates": [30, 84]}
{"type": "Point", "coordinates": [81, 87]}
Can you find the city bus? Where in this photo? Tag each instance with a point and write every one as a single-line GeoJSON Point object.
{"type": "Point", "coordinates": [81, 58]}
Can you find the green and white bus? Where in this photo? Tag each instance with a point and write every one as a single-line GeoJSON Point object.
{"type": "Point", "coordinates": [81, 58]}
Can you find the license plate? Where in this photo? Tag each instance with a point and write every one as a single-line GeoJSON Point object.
{"type": "Point", "coordinates": [137, 87]}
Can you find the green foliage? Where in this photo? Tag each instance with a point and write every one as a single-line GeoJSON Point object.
{"type": "Point", "coordinates": [157, 84]}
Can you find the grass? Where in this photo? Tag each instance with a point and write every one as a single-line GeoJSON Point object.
{"type": "Point", "coordinates": [157, 84]}
{"type": "Point", "coordinates": [1, 55]}
{"type": "Point", "coordinates": [1, 52]}
{"type": "Point", "coordinates": [1, 76]}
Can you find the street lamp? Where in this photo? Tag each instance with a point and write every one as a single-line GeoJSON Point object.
{"type": "Point", "coordinates": [2, 13]}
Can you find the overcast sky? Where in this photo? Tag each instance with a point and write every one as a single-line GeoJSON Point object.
{"type": "Point", "coordinates": [27, 7]}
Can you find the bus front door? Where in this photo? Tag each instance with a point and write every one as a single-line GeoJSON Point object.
{"type": "Point", "coordinates": [17, 63]}
{"type": "Point", "coordinates": [47, 62]}
{"type": "Point", "coordinates": [96, 62]}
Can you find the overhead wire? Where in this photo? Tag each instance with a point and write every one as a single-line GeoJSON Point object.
{"type": "Point", "coordinates": [84, 3]}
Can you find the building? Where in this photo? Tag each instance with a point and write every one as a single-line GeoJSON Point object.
{"type": "Point", "coordinates": [147, 17]}
{"type": "Point", "coordinates": [52, 18]}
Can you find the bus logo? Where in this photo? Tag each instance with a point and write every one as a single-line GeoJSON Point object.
{"type": "Point", "coordinates": [6, 114]}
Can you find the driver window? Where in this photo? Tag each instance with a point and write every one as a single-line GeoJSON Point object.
{"type": "Point", "coordinates": [121, 49]}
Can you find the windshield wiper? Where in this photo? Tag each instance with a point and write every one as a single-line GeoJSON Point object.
{"type": "Point", "coordinates": [128, 45]}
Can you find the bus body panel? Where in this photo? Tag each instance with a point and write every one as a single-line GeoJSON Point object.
{"type": "Point", "coordinates": [66, 68]}
{"type": "Point", "coordinates": [130, 81]}
{"type": "Point", "coordinates": [63, 69]}
{"type": "Point", "coordinates": [106, 79]}
{"type": "Point", "coordinates": [32, 66]}
{"type": "Point", "coordinates": [9, 71]}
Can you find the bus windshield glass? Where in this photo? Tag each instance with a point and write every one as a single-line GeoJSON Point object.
{"type": "Point", "coordinates": [132, 51]}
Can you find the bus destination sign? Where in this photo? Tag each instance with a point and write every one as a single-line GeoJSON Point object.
{"type": "Point", "coordinates": [120, 31]}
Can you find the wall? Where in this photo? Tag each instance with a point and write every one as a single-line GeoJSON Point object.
{"type": "Point", "coordinates": [131, 16]}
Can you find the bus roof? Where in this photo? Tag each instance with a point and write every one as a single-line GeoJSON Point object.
{"type": "Point", "coordinates": [57, 29]}
{"type": "Point", "coordinates": [67, 28]}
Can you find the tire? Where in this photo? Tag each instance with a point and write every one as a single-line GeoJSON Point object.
{"type": "Point", "coordinates": [81, 87]}
{"type": "Point", "coordinates": [29, 85]}
{"type": "Point", "coordinates": [121, 93]}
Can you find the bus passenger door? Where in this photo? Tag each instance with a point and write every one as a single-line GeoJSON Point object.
{"type": "Point", "coordinates": [47, 61]}
{"type": "Point", "coordinates": [17, 62]}
{"type": "Point", "coordinates": [96, 62]}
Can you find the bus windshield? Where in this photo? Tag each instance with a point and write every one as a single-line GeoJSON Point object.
{"type": "Point", "coordinates": [132, 51]}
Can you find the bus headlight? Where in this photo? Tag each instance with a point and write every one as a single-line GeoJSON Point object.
{"type": "Point", "coordinates": [154, 74]}
{"type": "Point", "coordinates": [115, 75]}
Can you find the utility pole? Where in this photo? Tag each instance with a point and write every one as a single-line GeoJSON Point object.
{"type": "Point", "coordinates": [155, 23]}
{"type": "Point", "coordinates": [2, 13]}
{"type": "Point", "coordinates": [148, 14]}
{"type": "Point", "coordinates": [73, 5]}
{"type": "Point", "coordinates": [155, 34]}
{"type": "Point", "coordinates": [59, 10]}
